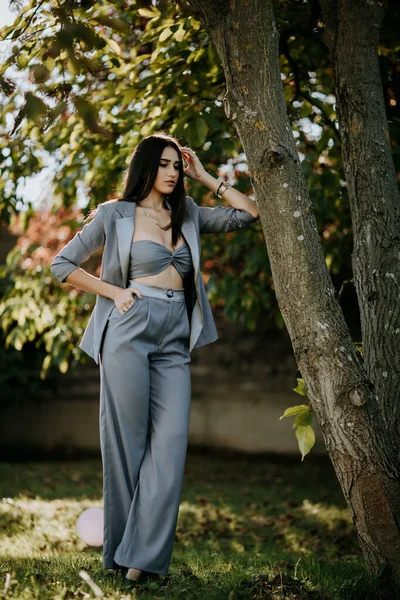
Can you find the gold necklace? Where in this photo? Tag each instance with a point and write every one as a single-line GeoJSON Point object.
{"type": "Point", "coordinates": [163, 227]}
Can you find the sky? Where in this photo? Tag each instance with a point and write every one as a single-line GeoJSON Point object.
{"type": "Point", "coordinates": [6, 17]}
{"type": "Point", "coordinates": [34, 189]}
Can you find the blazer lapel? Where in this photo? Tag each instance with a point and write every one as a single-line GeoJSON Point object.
{"type": "Point", "coordinates": [125, 227]}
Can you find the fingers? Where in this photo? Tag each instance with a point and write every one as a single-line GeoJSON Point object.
{"type": "Point", "coordinates": [134, 290]}
{"type": "Point", "coordinates": [126, 307]}
{"type": "Point", "coordinates": [188, 151]}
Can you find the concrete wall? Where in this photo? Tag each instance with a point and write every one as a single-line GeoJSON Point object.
{"type": "Point", "coordinates": [237, 399]}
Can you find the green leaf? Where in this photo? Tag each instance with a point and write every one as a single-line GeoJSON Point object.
{"type": "Point", "coordinates": [23, 59]}
{"type": "Point", "coordinates": [113, 45]}
{"type": "Point", "coordinates": [167, 32]}
{"type": "Point", "coordinates": [74, 65]}
{"type": "Point", "coordinates": [197, 132]}
{"type": "Point", "coordinates": [113, 23]}
{"type": "Point", "coordinates": [142, 83]}
{"type": "Point", "coordinates": [146, 12]}
{"type": "Point", "coordinates": [306, 438]}
{"type": "Point", "coordinates": [63, 366]}
{"type": "Point", "coordinates": [323, 141]}
{"type": "Point", "coordinates": [305, 109]}
{"type": "Point", "coordinates": [179, 34]}
{"type": "Point", "coordinates": [303, 419]}
{"type": "Point", "coordinates": [34, 106]}
{"type": "Point", "coordinates": [85, 109]}
{"type": "Point", "coordinates": [39, 73]}
{"type": "Point", "coordinates": [300, 389]}
{"type": "Point", "coordinates": [295, 410]}
{"type": "Point", "coordinates": [46, 362]}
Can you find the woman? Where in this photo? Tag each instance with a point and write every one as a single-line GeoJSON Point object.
{"type": "Point", "coordinates": [151, 311]}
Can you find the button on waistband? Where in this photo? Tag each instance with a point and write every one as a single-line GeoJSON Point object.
{"type": "Point", "coordinates": [164, 293]}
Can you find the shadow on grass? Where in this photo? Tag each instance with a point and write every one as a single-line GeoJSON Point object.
{"type": "Point", "coordinates": [263, 526]}
{"type": "Point", "coordinates": [58, 578]}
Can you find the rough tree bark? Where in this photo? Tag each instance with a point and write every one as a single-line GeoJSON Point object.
{"type": "Point", "coordinates": [351, 35]}
{"type": "Point", "coordinates": [353, 398]}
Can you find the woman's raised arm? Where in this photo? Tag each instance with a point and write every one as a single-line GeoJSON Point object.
{"type": "Point", "coordinates": [241, 213]}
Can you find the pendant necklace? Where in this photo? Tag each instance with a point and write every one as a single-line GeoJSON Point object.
{"type": "Point", "coordinates": [163, 227]}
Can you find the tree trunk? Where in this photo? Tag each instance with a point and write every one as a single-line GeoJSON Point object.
{"type": "Point", "coordinates": [351, 406]}
{"type": "Point", "coordinates": [352, 35]}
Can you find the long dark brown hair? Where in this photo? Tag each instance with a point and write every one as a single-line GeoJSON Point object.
{"type": "Point", "coordinates": [142, 171]}
{"type": "Point", "coordinates": [139, 177]}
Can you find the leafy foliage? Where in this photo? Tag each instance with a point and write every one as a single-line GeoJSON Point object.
{"type": "Point", "coordinates": [85, 80]}
{"type": "Point", "coordinates": [34, 307]}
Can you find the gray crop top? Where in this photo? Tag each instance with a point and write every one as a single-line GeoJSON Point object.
{"type": "Point", "coordinates": [149, 258]}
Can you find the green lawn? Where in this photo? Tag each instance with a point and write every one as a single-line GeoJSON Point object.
{"type": "Point", "coordinates": [248, 527]}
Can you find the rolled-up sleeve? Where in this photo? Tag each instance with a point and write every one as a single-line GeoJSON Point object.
{"type": "Point", "coordinates": [86, 242]}
{"type": "Point", "coordinates": [222, 218]}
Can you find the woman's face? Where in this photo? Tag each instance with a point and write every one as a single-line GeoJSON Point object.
{"type": "Point", "coordinates": [168, 170]}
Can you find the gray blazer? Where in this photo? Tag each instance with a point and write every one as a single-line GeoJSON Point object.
{"type": "Point", "coordinates": [112, 229]}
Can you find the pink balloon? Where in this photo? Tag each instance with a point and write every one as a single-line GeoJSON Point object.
{"type": "Point", "coordinates": [90, 526]}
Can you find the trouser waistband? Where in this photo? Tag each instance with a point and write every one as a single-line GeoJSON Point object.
{"type": "Point", "coordinates": [174, 294]}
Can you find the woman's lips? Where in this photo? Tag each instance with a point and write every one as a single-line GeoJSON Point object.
{"type": "Point", "coordinates": [170, 182]}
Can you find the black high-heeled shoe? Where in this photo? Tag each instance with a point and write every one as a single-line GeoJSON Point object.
{"type": "Point", "coordinates": [121, 569]}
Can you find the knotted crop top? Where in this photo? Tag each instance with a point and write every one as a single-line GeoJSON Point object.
{"type": "Point", "coordinates": [149, 258]}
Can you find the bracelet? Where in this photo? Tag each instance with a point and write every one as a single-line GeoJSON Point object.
{"type": "Point", "coordinates": [223, 186]}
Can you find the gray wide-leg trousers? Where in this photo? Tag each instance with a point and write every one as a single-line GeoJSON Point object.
{"type": "Point", "coordinates": [145, 394]}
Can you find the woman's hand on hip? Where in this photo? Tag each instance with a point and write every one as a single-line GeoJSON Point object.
{"type": "Point", "coordinates": [123, 298]}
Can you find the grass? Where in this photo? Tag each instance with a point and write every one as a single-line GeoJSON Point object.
{"type": "Point", "coordinates": [249, 527]}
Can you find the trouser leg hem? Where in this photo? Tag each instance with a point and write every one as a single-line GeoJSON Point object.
{"type": "Point", "coordinates": [143, 568]}
{"type": "Point", "coordinates": [109, 563]}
